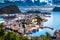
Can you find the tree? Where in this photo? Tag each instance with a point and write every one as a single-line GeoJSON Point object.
{"type": "Point", "coordinates": [23, 38]}
{"type": "Point", "coordinates": [48, 36]}
{"type": "Point", "coordinates": [34, 38]}
{"type": "Point", "coordinates": [39, 20]}
{"type": "Point", "coordinates": [2, 26]}
{"type": "Point", "coordinates": [23, 24]}
{"type": "Point", "coordinates": [2, 32]}
{"type": "Point", "coordinates": [11, 36]}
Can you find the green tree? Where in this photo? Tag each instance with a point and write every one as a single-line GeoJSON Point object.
{"type": "Point", "coordinates": [23, 24]}
{"type": "Point", "coordinates": [23, 38]}
{"type": "Point", "coordinates": [11, 36]}
{"type": "Point", "coordinates": [34, 38]}
{"type": "Point", "coordinates": [2, 26]}
{"type": "Point", "coordinates": [2, 32]}
{"type": "Point", "coordinates": [39, 20]}
{"type": "Point", "coordinates": [48, 36]}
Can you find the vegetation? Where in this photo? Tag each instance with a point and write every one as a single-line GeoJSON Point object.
{"type": "Point", "coordinates": [14, 36]}
{"type": "Point", "coordinates": [47, 37]}
{"type": "Point", "coordinates": [11, 36]}
{"type": "Point", "coordinates": [39, 20]}
{"type": "Point", "coordinates": [2, 31]}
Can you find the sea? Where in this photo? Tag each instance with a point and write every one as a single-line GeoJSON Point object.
{"type": "Point", "coordinates": [1, 20]}
{"type": "Point", "coordinates": [53, 22]}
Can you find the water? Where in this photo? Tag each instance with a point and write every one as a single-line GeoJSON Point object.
{"type": "Point", "coordinates": [1, 20]}
{"type": "Point", "coordinates": [53, 22]}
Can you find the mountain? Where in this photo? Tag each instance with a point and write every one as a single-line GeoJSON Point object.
{"type": "Point", "coordinates": [10, 9]}
{"type": "Point", "coordinates": [56, 9]}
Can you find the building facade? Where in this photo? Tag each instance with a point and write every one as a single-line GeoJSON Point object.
{"type": "Point", "coordinates": [57, 34]}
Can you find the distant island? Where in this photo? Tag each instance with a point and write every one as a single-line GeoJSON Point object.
{"type": "Point", "coordinates": [56, 9]}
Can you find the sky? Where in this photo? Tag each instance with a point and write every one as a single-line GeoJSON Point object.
{"type": "Point", "coordinates": [32, 0]}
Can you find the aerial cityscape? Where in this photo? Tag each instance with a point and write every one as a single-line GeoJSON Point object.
{"type": "Point", "coordinates": [29, 19]}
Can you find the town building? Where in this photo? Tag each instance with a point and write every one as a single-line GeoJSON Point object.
{"type": "Point", "coordinates": [57, 34]}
